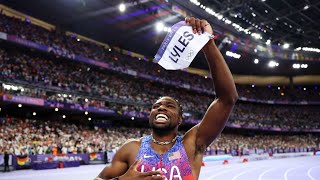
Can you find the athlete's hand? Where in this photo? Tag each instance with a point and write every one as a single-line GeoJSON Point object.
{"type": "Point", "coordinates": [133, 174]}
{"type": "Point", "coordinates": [199, 25]}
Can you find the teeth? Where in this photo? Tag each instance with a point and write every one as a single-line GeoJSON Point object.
{"type": "Point", "coordinates": [162, 116]}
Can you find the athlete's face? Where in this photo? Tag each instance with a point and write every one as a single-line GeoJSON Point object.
{"type": "Point", "coordinates": [164, 114]}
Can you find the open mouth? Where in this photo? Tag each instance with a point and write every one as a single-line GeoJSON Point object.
{"type": "Point", "coordinates": [161, 118]}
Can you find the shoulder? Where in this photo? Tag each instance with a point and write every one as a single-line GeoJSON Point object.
{"type": "Point", "coordinates": [131, 146]}
{"type": "Point", "coordinates": [132, 143]}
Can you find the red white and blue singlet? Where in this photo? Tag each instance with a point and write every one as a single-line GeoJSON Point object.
{"type": "Point", "coordinates": [174, 163]}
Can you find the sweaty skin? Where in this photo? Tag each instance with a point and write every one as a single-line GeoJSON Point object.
{"type": "Point", "coordinates": [198, 138]}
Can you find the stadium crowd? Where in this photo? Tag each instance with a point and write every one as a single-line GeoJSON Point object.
{"type": "Point", "coordinates": [28, 136]}
{"type": "Point", "coordinates": [91, 86]}
{"type": "Point", "coordinates": [62, 80]}
{"type": "Point", "coordinates": [119, 61]}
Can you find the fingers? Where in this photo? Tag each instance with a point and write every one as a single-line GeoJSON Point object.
{"type": "Point", "coordinates": [157, 177]}
{"type": "Point", "coordinates": [151, 173]}
{"type": "Point", "coordinates": [192, 23]}
{"type": "Point", "coordinates": [154, 178]}
{"type": "Point", "coordinates": [196, 24]}
{"type": "Point", "coordinates": [203, 23]}
{"type": "Point", "coordinates": [135, 164]}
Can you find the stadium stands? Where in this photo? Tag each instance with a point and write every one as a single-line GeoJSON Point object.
{"type": "Point", "coordinates": [59, 79]}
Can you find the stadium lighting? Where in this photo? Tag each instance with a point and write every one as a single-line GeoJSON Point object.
{"type": "Point", "coordinates": [159, 26]}
{"type": "Point", "coordinates": [296, 66]}
{"type": "Point", "coordinates": [56, 109]}
{"type": "Point", "coordinates": [256, 35]}
{"type": "Point", "coordinates": [227, 21]}
{"type": "Point", "coordinates": [63, 116]}
{"type": "Point", "coordinates": [19, 105]}
{"type": "Point", "coordinates": [122, 7]}
{"type": "Point", "coordinates": [286, 45]}
{"type": "Point", "coordinates": [195, 2]}
{"type": "Point", "coordinates": [273, 64]}
{"type": "Point", "coordinates": [219, 16]}
{"type": "Point", "coordinates": [307, 49]}
{"type": "Point", "coordinates": [167, 29]}
{"type": "Point", "coordinates": [256, 61]}
{"type": "Point", "coordinates": [89, 118]}
{"type": "Point", "coordinates": [232, 54]}
{"type": "Point", "coordinates": [306, 7]}
{"type": "Point", "coordinates": [34, 113]}
{"type": "Point", "coordinates": [268, 42]}
{"type": "Point", "coordinates": [86, 113]}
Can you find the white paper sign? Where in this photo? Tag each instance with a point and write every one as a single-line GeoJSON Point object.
{"type": "Point", "coordinates": [180, 47]}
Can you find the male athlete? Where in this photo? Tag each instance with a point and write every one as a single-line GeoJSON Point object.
{"type": "Point", "coordinates": [163, 154]}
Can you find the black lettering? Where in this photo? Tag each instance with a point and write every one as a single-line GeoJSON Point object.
{"type": "Point", "coordinates": [176, 47]}
{"type": "Point", "coordinates": [183, 41]}
{"type": "Point", "coordinates": [177, 54]}
{"type": "Point", "coordinates": [174, 60]}
{"type": "Point", "coordinates": [187, 35]}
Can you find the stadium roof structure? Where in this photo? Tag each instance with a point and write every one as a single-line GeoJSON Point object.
{"type": "Point", "coordinates": [296, 23]}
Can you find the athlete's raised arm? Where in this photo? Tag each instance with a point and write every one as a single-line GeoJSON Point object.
{"type": "Point", "coordinates": [218, 112]}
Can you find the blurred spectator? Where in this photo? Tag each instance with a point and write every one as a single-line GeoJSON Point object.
{"type": "Point", "coordinates": [27, 136]}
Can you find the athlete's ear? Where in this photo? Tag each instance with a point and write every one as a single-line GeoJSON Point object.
{"type": "Point", "coordinates": [180, 120]}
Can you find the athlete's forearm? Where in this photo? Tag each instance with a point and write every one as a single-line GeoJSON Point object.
{"type": "Point", "coordinates": [222, 78]}
{"type": "Point", "coordinates": [99, 178]}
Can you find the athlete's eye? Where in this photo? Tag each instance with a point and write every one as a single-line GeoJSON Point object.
{"type": "Point", "coordinates": [155, 106]}
{"type": "Point", "coordinates": [170, 106]}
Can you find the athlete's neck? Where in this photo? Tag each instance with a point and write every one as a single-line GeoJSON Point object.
{"type": "Point", "coordinates": [161, 137]}
{"type": "Point", "coordinates": [162, 149]}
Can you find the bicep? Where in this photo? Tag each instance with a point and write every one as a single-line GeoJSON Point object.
{"type": "Point", "coordinates": [118, 167]}
{"type": "Point", "coordinates": [213, 122]}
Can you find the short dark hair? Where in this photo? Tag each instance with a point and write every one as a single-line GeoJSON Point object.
{"type": "Point", "coordinates": [180, 106]}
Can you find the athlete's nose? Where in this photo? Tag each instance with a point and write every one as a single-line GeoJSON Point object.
{"type": "Point", "coordinates": [162, 108]}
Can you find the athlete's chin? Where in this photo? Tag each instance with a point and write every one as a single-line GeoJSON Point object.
{"type": "Point", "coordinates": [162, 127]}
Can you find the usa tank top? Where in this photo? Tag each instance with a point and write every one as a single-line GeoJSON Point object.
{"type": "Point", "coordinates": [174, 163]}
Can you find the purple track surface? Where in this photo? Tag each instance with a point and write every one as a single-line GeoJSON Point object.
{"type": "Point", "coordinates": [301, 168]}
